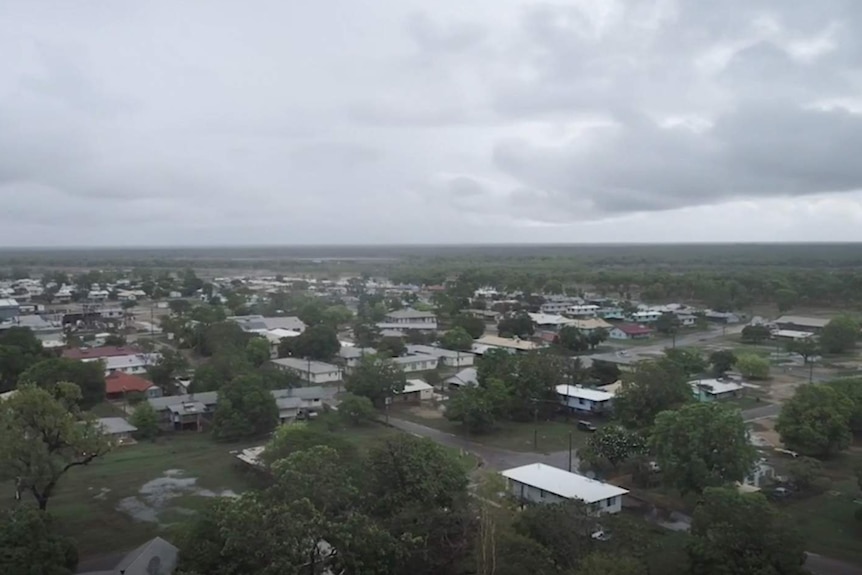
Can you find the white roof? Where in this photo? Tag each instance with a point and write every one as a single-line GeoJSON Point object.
{"type": "Point", "coordinates": [507, 343]}
{"type": "Point", "coordinates": [280, 332]}
{"type": "Point", "coordinates": [115, 425]}
{"type": "Point", "coordinates": [804, 321]}
{"type": "Point", "coordinates": [131, 360]}
{"type": "Point", "coordinates": [549, 319]}
{"type": "Point", "coordinates": [8, 303]}
{"type": "Point", "coordinates": [716, 386]}
{"type": "Point", "coordinates": [563, 483]}
{"type": "Point", "coordinates": [584, 393]}
{"type": "Point", "coordinates": [793, 334]}
{"type": "Point", "coordinates": [414, 385]}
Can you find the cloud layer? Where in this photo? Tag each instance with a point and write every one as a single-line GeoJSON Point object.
{"type": "Point", "coordinates": [402, 121]}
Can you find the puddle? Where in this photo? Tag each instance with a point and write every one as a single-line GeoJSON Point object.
{"type": "Point", "coordinates": [154, 496]}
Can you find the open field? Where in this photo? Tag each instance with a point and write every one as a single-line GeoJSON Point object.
{"type": "Point", "coordinates": [550, 436]}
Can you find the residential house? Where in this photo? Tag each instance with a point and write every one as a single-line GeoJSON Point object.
{"type": "Point", "coordinates": [540, 483]}
{"type": "Point", "coordinates": [85, 353]}
{"type": "Point", "coordinates": [686, 320]}
{"type": "Point", "coordinates": [646, 315]}
{"type": "Point", "coordinates": [722, 317]}
{"type": "Point", "coordinates": [409, 319]}
{"type": "Point", "coordinates": [488, 315]}
{"type": "Point", "coordinates": [589, 325]}
{"type": "Point", "coordinates": [351, 356]}
{"type": "Point", "coordinates": [550, 322]}
{"type": "Point", "coordinates": [117, 429]}
{"type": "Point", "coordinates": [792, 335]}
{"type": "Point", "coordinates": [260, 324]}
{"type": "Point", "coordinates": [612, 313]}
{"type": "Point", "coordinates": [414, 363]}
{"type": "Point", "coordinates": [9, 309]}
{"type": "Point", "coordinates": [293, 402]}
{"type": "Point", "coordinates": [801, 323]}
{"type": "Point", "coordinates": [118, 385]}
{"type": "Point", "coordinates": [310, 371]}
{"type": "Point", "coordinates": [464, 378]}
{"type": "Point", "coordinates": [514, 345]}
{"type": "Point", "coordinates": [133, 363]}
{"type": "Point", "coordinates": [630, 331]}
{"type": "Point", "coordinates": [585, 399]}
{"type": "Point", "coordinates": [155, 557]}
{"type": "Point", "coordinates": [582, 310]}
{"type": "Point", "coordinates": [447, 357]}
{"type": "Point", "coordinates": [715, 389]}
{"type": "Point", "coordinates": [415, 391]}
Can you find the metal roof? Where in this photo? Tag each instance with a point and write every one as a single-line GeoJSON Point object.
{"type": "Point", "coordinates": [563, 483]}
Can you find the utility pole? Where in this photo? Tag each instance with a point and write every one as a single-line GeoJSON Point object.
{"type": "Point", "coordinates": [570, 452]}
{"type": "Point", "coordinates": [535, 424]}
{"type": "Point", "coordinates": [811, 371]}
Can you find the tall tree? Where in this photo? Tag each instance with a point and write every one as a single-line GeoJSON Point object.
{"type": "Point", "coordinates": [19, 350]}
{"type": "Point", "coordinates": [318, 342]}
{"type": "Point", "coordinates": [479, 408]}
{"type": "Point", "coordinates": [596, 337]}
{"type": "Point", "coordinates": [146, 420]}
{"type": "Point", "coordinates": [519, 325]}
{"type": "Point", "coordinates": [257, 351]}
{"type": "Point", "coordinates": [88, 376]}
{"type": "Point", "coordinates": [741, 533]}
{"type": "Point", "coordinates": [839, 335]}
{"type": "Point", "coordinates": [702, 445]}
{"type": "Point", "coordinates": [571, 339]}
{"type": "Point", "coordinates": [457, 339]}
{"type": "Point", "coordinates": [755, 333]}
{"type": "Point", "coordinates": [807, 348]}
{"type": "Point", "coordinates": [689, 360]}
{"type": "Point", "coordinates": [816, 420]}
{"type": "Point", "coordinates": [376, 378]}
{"type": "Point", "coordinates": [722, 361]}
{"type": "Point", "coordinates": [564, 529]}
{"type": "Point", "coordinates": [655, 386]}
{"type": "Point", "coordinates": [30, 545]}
{"type": "Point", "coordinates": [245, 408]}
{"type": "Point", "coordinates": [614, 444]}
{"type": "Point", "coordinates": [473, 325]}
{"type": "Point", "coordinates": [753, 366]}
{"type": "Point", "coordinates": [166, 368]}
{"type": "Point", "coordinates": [43, 435]}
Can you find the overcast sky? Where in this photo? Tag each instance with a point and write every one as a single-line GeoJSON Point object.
{"type": "Point", "coordinates": [406, 121]}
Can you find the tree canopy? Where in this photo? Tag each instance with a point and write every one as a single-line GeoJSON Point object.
{"type": "Point", "coordinates": [43, 435]}
{"type": "Point", "coordinates": [816, 420]}
{"type": "Point", "coordinates": [88, 376]}
{"type": "Point", "coordinates": [30, 544]}
{"type": "Point", "coordinates": [319, 342]}
{"type": "Point", "coordinates": [839, 335]}
{"type": "Point", "coordinates": [19, 350]}
{"type": "Point", "coordinates": [245, 408]}
{"type": "Point", "coordinates": [457, 339]}
{"type": "Point", "coordinates": [376, 378]}
{"type": "Point", "coordinates": [702, 445]}
{"type": "Point", "coordinates": [655, 386]}
{"type": "Point", "coordinates": [753, 366]}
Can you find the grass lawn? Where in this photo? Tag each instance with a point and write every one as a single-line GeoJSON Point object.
{"type": "Point", "coordinates": [828, 521]}
{"type": "Point", "coordinates": [549, 435]}
{"type": "Point", "coordinates": [746, 402]}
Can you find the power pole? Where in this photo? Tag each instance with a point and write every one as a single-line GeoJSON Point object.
{"type": "Point", "coordinates": [570, 452]}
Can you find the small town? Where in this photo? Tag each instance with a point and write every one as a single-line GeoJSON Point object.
{"type": "Point", "coordinates": [194, 389]}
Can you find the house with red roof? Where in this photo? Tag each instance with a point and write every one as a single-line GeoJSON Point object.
{"type": "Point", "coordinates": [118, 384]}
{"type": "Point", "coordinates": [630, 331]}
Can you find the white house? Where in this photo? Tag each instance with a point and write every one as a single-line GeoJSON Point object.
{"type": "Point", "coordinates": [792, 334]}
{"type": "Point", "coordinates": [715, 389]}
{"type": "Point", "coordinates": [686, 320]}
{"type": "Point", "coordinates": [416, 390]}
{"type": "Point", "coordinates": [507, 343]}
{"type": "Point", "coordinates": [134, 363]}
{"type": "Point", "coordinates": [409, 316]}
{"type": "Point", "coordinates": [413, 363]}
{"type": "Point", "coordinates": [585, 399]}
{"type": "Point", "coordinates": [464, 378]}
{"type": "Point", "coordinates": [550, 321]}
{"type": "Point", "coordinates": [589, 325]}
{"type": "Point", "coordinates": [629, 331]}
{"type": "Point", "coordinates": [582, 310]}
{"type": "Point", "coordinates": [540, 483]}
{"type": "Point", "coordinates": [351, 356]}
{"type": "Point", "coordinates": [309, 370]}
{"type": "Point", "coordinates": [447, 357]}
{"type": "Point", "coordinates": [646, 316]}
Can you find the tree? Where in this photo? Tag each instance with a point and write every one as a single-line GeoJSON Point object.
{"type": "Point", "coordinates": [457, 339]}
{"type": "Point", "coordinates": [804, 472]}
{"type": "Point", "coordinates": [356, 409]}
{"type": "Point", "coordinates": [615, 444]}
{"type": "Point", "coordinates": [43, 435]}
{"type": "Point", "coordinates": [564, 529]}
{"type": "Point", "coordinates": [29, 544]}
{"type": "Point", "coordinates": [479, 408]}
{"type": "Point", "coordinates": [742, 533]}
{"type": "Point", "coordinates": [605, 564]}
{"type": "Point", "coordinates": [219, 338]}
{"type": "Point", "coordinates": [755, 334]}
{"type": "Point", "coordinates": [167, 367]}
{"type": "Point", "coordinates": [753, 366]}
{"type": "Point", "coordinates": [722, 361]}
{"type": "Point", "coordinates": [221, 369]}
{"type": "Point", "coordinates": [146, 420]}
{"type": "Point", "coordinates": [299, 436]}
{"type": "Point", "coordinates": [519, 325]}
{"type": "Point", "coordinates": [376, 378]}
{"type": "Point", "coordinates": [655, 386]}
{"type": "Point", "coordinates": [786, 299]}
{"type": "Point", "coordinates": [702, 445]}
{"type": "Point", "coordinates": [604, 372]}
{"type": "Point", "coordinates": [667, 323]}
{"type": "Point", "coordinates": [117, 340]}
{"type": "Point", "coordinates": [245, 408]}
{"type": "Point", "coordinates": [571, 339]}
{"type": "Point", "coordinates": [816, 421]}
{"type": "Point", "coordinates": [852, 389]}
{"type": "Point", "coordinates": [473, 325]}
{"type": "Point", "coordinates": [319, 342]}
{"type": "Point", "coordinates": [807, 348]}
{"type": "Point", "coordinates": [128, 304]}
{"type": "Point", "coordinates": [257, 351]}
{"type": "Point", "coordinates": [839, 335]}
{"type": "Point", "coordinates": [391, 346]}
{"type": "Point", "coordinates": [19, 350]}
{"type": "Point", "coordinates": [596, 337]}
{"type": "Point", "coordinates": [337, 316]}
{"type": "Point", "coordinates": [88, 376]}
{"type": "Point", "coordinates": [179, 307]}
{"type": "Point", "coordinates": [690, 360]}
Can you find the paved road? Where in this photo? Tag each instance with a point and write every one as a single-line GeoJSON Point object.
{"type": "Point", "coordinates": [494, 457]}
{"type": "Point", "coordinates": [820, 565]}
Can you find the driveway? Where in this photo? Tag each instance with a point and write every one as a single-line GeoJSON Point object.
{"type": "Point", "coordinates": [495, 458]}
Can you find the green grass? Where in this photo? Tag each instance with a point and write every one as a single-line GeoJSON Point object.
{"type": "Point", "coordinates": [107, 409]}
{"type": "Point", "coordinates": [515, 436]}
{"type": "Point", "coordinates": [746, 402]}
{"type": "Point", "coordinates": [828, 522]}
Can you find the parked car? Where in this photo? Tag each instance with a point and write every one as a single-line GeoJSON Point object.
{"type": "Point", "coordinates": [586, 426]}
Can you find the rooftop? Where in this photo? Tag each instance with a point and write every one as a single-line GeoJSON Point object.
{"type": "Point", "coordinates": [115, 425]}
{"type": "Point", "coordinates": [306, 366]}
{"type": "Point", "coordinates": [435, 351]}
{"type": "Point", "coordinates": [415, 385]}
{"type": "Point", "coordinates": [468, 376]}
{"type": "Point", "coordinates": [505, 342]}
{"type": "Point", "coordinates": [8, 303]}
{"type": "Point", "coordinates": [410, 313]}
{"type": "Point", "coordinates": [99, 352]}
{"type": "Point", "coordinates": [803, 321]}
{"type": "Point", "coordinates": [587, 393]}
{"type": "Point", "coordinates": [408, 359]}
{"type": "Point", "coordinates": [119, 382]}
{"type": "Point", "coordinates": [633, 329]}
{"type": "Point", "coordinates": [716, 386]}
{"type": "Point", "coordinates": [563, 483]}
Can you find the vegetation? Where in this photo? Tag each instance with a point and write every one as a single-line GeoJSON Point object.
{"type": "Point", "coordinates": [614, 444]}
{"type": "Point", "coordinates": [655, 386]}
{"type": "Point", "coordinates": [146, 420]}
{"type": "Point", "coordinates": [376, 378]}
{"type": "Point", "coordinates": [816, 421]}
{"type": "Point", "coordinates": [839, 335]}
{"type": "Point", "coordinates": [30, 544]}
{"type": "Point", "coordinates": [245, 408]}
{"type": "Point", "coordinates": [44, 435]}
{"type": "Point", "coordinates": [457, 339]}
{"type": "Point", "coordinates": [88, 376]}
{"type": "Point", "coordinates": [722, 361]}
{"type": "Point", "coordinates": [753, 366]}
{"type": "Point", "coordinates": [19, 350]}
{"type": "Point", "coordinates": [356, 409]}
{"type": "Point", "coordinates": [702, 445]}
{"type": "Point", "coordinates": [318, 342]}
